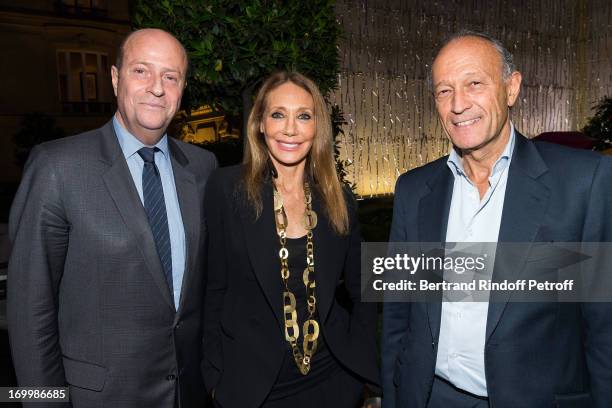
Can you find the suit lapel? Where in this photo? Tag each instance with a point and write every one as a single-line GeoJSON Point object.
{"type": "Point", "coordinates": [525, 204]}
{"type": "Point", "coordinates": [118, 181]}
{"type": "Point", "coordinates": [433, 219]}
{"type": "Point", "coordinates": [187, 192]}
{"type": "Point", "coordinates": [329, 260]}
{"type": "Point", "coordinates": [262, 247]}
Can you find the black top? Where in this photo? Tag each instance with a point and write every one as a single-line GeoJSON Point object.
{"type": "Point", "coordinates": [290, 380]}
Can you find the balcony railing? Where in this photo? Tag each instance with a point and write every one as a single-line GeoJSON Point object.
{"type": "Point", "coordinates": [80, 10]}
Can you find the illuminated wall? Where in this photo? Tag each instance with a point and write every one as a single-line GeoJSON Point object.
{"type": "Point", "coordinates": [562, 47]}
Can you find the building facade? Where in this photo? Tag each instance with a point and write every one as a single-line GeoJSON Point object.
{"type": "Point", "coordinates": [56, 59]}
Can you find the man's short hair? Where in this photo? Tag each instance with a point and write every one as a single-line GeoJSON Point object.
{"type": "Point", "coordinates": [507, 60]}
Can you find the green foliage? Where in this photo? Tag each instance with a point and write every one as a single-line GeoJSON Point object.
{"type": "Point", "coordinates": [337, 119]}
{"type": "Point", "coordinates": [375, 216]}
{"type": "Point", "coordinates": [234, 44]}
{"type": "Point", "coordinates": [35, 128]}
{"type": "Point", "coordinates": [599, 126]}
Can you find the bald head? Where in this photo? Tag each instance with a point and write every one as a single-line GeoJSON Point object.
{"type": "Point", "coordinates": [152, 33]}
{"type": "Point", "coordinates": [473, 94]}
{"type": "Point", "coordinates": [505, 56]}
{"type": "Point", "coordinates": [469, 50]}
{"type": "Point", "coordinates": [148, 83]}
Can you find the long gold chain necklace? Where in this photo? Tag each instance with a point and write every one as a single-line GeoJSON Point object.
{"type": "Point", "coordinates": [311, 326]}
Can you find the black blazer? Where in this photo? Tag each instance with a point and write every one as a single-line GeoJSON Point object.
{"type": "Point", "coordinates": [244, 340]}
{"type": "Point", "coordinates": [88, 304]}
{"type": "Point", "coordinates": [536, 354]}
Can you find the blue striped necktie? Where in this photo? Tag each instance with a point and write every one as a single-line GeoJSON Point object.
{"type": "Point", "coordinates": [155, 206]}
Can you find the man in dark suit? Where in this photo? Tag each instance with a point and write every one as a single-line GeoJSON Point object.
{"type": "Point", "coordinates": [497, 186]}
{"type": "Point", "coordinates": [106, 275]}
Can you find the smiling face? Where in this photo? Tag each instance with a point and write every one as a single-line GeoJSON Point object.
{"type": "Point", "coordinates": [149, 84]}
{"type": "Point", "coordinates": [288, 124]}
{"type": "Point", "coordinates": [472, 97]}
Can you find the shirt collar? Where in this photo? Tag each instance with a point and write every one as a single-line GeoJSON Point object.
{"type": "Point", "coordinates": [130, 144]}
{"type": "Point", "coordinates": [455, 163]}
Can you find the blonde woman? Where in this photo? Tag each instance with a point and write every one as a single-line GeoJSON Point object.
{"type": "Point", "coordinates": [284, 325]}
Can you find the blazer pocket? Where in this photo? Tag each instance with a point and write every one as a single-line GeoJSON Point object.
{"type": "Point", "coordinates": [84, 375]}
{"type": "Point", "coordinates": [577, 400]}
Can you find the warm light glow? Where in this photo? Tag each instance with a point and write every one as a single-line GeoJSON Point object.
{"type": "Point", "coordinates": [202, 125]}
{"type": "Point", "coordinates": [392, 125]}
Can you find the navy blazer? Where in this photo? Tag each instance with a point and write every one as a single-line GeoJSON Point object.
{"type": "Point", "coordinates": [536, 354]}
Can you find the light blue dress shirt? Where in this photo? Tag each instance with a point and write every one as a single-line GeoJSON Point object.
{"type": "Point", "coordinates": [463, 325]}
{"type": "Point", "coordinates": [130, 146]}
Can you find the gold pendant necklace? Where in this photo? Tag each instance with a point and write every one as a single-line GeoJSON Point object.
{"type": "Point", "coordinates": [311, 326]}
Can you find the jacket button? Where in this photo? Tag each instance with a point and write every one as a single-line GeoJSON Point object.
{"type": "Point", "coordinates": [178, 325]}
{"type": "Point", "coordinates": [171, 377]}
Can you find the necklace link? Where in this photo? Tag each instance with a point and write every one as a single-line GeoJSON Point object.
{"type": "Point", "coordinates": [310, 328]}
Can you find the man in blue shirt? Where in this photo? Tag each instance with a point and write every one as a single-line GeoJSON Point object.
{"type": "Point", "coordinates": [106, 276]}
{"type": "Point", "coordinates": [497, 186]}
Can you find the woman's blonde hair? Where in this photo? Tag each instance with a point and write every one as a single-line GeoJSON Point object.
{"type": "Point", "coordinates": [320, 164]}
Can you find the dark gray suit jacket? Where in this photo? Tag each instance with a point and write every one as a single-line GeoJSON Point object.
{"type": "Point", "coordinates": [88, 305]}
{"type": "Point", "coordinates": [536, 354]}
